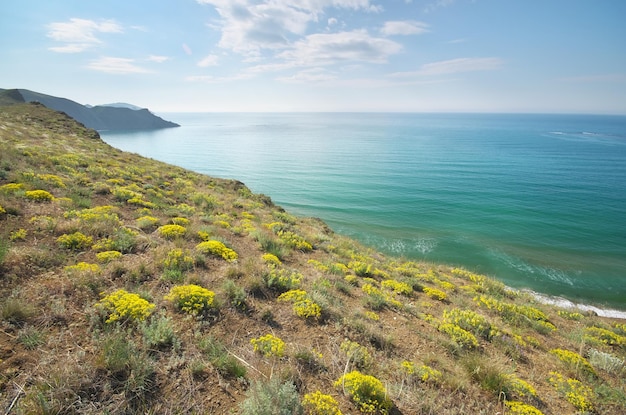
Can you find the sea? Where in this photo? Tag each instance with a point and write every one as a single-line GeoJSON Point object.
{"type": "Point", "coordinates": [537, 201]}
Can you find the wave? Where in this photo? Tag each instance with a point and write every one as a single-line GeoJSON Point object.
{"type": "Point", "coordinates": [564, 303]}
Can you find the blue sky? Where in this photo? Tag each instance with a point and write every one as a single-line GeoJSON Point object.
{"type": "Point", "coordinates": [564, 56]}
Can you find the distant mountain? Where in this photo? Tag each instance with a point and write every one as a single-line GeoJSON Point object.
{"type": "Point", "coordinates": [122, 105]}
{"type": "Point", "coordinates": [102, 117]}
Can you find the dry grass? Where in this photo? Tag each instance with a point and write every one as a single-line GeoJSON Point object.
{"type": "Point", "coordinates": [58, 355]}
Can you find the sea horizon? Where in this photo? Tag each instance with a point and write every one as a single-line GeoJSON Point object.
{"type": "Point", "coordinates": [410, 184]}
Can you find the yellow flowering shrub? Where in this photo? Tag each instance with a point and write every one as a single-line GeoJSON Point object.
{"type": "Point", "coordinates": [294, 241]}
{"type": "Point", "coordinates": [147, 222]}
{"type": "Point", "coordinates": [108, 256]}
{"type": "Point", "coordinates": [178, 259]}
{"type": "Point", "coordinates": [180, 221]}
{"type": "Point", "coordinates": [83, 268]}
{"type": "Point", "coordinates": [470, 321]}
{"type": "Point", "coordinates": [269, 345]}
{"type": "Point", "coordinates": [318, 265]}
{"type": "Point", "coordinates": [17, 235]}
{"type": "Point", "coordinates": [317, 403]}
{"type": "Point", "coordinates": [424, 373]}
{"type": "Point", "coordinates": [461, 337]}
{"type": "Point", "coordinates": [372, 315]}
{"type": "Point", "coordinates": [574, 361]}
{"type": "Point", "coordinates": [303, 306]}
{"type": "Point", "coordinates": [124, 306]}
{"type": "Point", "coordinates": [435, 293]}
{"type": "Point", "coordinates": [75, 241]}
{"type": "Point", "coordinates": [366, 391]}
{"type": "Point", "coordinates": [576, 393]}
{"type": "Point", "coordinates": [172, 231]}
{"type": "Point", "coordinates": [192, 299]}
{"type": "Point", "coordinates": [271, 260]}
{"type": "Point", "coordinates": [570, 315]}
{"type": "Point", "coordinates": [39, 195]}
{"type": "Point", "coordinates": [52, 179]}
{"type": "Point", "coordinates": [282, 280]}
{"type": "Point", "coordinates": [517, 313]}
{"type": "Point", "coordinates": [2, 210]}
{"type": "Point", "coordinates": [360, 268]}
{"type": "Point", "coordinates": [11, 187]}
{"type": "Point", "coordinates": [519, 388]}
{"type": "Point", "coordinates": [397, 287]}
{"type": "Point", "coordinates": [185, 209]}
{"type": "Point", "coordinates": [217, 248]}
{"type": "Point", "coordinates": [605, 336]}
{"type": "Point", "coordinates": [520, 408]}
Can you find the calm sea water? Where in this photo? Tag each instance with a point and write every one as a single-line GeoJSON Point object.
{"type": "Point", "coordinates": [537, 201]}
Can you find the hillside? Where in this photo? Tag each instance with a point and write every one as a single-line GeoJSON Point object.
{"type": "Point", "coordinates": [104, 117]}
{"type": "Point", "coordinates": [133, 286]}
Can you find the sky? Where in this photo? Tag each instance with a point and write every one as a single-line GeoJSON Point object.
{"type": "Point", "coordinates": [532, 56]}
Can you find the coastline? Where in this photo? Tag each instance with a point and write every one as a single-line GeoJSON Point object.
{"type": "Point", "coordinates": [568, 304]}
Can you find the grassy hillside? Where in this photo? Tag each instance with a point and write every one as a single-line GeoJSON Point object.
{"type": "Point", "coordinates": [132, 286]}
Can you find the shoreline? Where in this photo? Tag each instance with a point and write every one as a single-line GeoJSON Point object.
{"type": "Point", "coordinates": [568, 304]}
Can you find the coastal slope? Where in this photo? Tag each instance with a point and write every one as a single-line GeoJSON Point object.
{"type": "Point", "coordinates": [133, 286]}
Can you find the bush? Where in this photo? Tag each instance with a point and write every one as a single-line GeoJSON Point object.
{"type": "Point", "coordinates": [317, 403]}
{"type": "Point", "coordinates": [357, 354]}
{"type": "Point", "coordinates": [461, 337]}
{"type": "Point", "coordinates": [108, 256]}
{"type": "Point", "coordinates": [470, 321]}
{"type": "Point", "coordinates": [269, 345]}
{"type": "Point", "coordinates": [435, 293]}
{"type": "Point", "coordinates": [217, 248]}
{"type": "Point", "coordinates": [303, 306]}
{"type": "Point", "coordinates": [282, 280]}
{"type": "Point", "coordinates": [192, 299]}
{"type": "Point", "coordinates": [574, 361]}
{"type": "Point", "coordinates": [367, 392]}
{"type": "Point", "coordinates": [158, 333]}
{"type": "Point", "coordinates": [575, 392]}
{"type": "Point", "coordinates": [272, 398]}
{"type": "Point", "coordinates": [177, 259]}
{"type": "Point", "coordinates": [124, 306]}
{"type": "Point", "coordinates": [520, 408]}
{"type": "Point", "coordinates": [172, 231]}
{"type": "Point", "coordinates": [39, 196]}
{"type": "Point", "coordinates": [75, 241]}
{"type": "Point", "coordinates": [224, 363]}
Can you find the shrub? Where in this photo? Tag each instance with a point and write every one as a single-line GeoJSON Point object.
{"type": "Point", "coordinates": [317, 403]}
{"type": "Point", "coordinates": [108, 256]}
{"type": "Point", "coordinates": [435, 293]}
{"type": "Point", "coordinates": [461, 337]}
{"type": "Point", "coordinates": [124, 306]}
{"type": "Point", "coordinates": [75, 241]}
{"type": "Point", "coordinates": [16, 311]}
{"type": "Point", "coordinates": [272, 398]}
{"type": "Point", "coordinates": [172, 231]}
{"type": "Point", "coordinates": [606, 361]}
{"type": "Point", "coordinates": [158, 333]}
{"type": "Point", "coordinates": [192, 299]}
{"type": "Point", "coordinates": [424, 373]}
{"type": "Point", "coordinates": [357, 354]}
{"type": "Point", "coordinates": [282, 280]}
{"type": "Point", "coordinates": [269, 345]}
{"type": "Point", "coordinates": [147, 222]}
{"type": "Point", "coordinates": [83, 268]}
{"type": "Point", "coordinates": [294, 241]}
{"type": "Point", "coordinates": [271, 260]}
{"type": "Point", "coordinates": [470, 321]}
{"type": "Point", "coordinates": [179, 260]}
{"type": "Point", "coordinates": [11, 188]}
{"type": "Point", "coordinates": [303, 306]}
{"type": "Point", "coordinates": [217, 248]}
{"type": "Point", "coordinates": [574, 361]}
{"type": "Point", "coordinates": [397, 287]}
{"type": "Point", "coordinates": [362, 269]}
{"type": "Point", "coordinates": [39, 196]}
{"type": "Point", "coordinates": [366, 391]}
{"type": "Point", "coordinates": [180, 221]}
{"type": "Point", "coordinates": [570, 315]}
{"type": "Point", "coordinates": [575, 392]}
{"type": "Point", "coordinates": [18, 235]}
{"type": "Point", "coordinates": [605, 336]}
{"type": "Point", "coordinates": [520, 408]}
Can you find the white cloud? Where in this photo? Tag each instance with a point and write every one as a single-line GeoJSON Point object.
{"type": "Point", "coordinates": [596, 78]}
{"type": "Point", "coordinates": [453, 66]}
{"type": "Point", "coordinates": [80, 34]}
{"type": "Point", "coordinates": [210, 60]}
{"type": "Point", "coordinates": [330, 48]}
{"type": "Point", "coordinates": [187, 49]}
{"type": "Point", "coordinates": [158, 59]}
{"type": "Point", "coordinates": [405, 27]}
{"type": "Point", "coordinates": [332, 21]}
{"type": "Point", "coordinates": [249, 26]}
{"type": "Point", "coordinates": [115, 66]}
{"type": "Point", "coordinates": [310, 75]}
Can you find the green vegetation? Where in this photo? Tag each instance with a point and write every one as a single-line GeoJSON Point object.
{"type": "Point", "coordinates": [140, 287]}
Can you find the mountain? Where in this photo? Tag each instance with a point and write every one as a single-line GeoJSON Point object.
{"type": "Point", "coordinates": [101, 117]}
{"type": "Point", "coordinates": [122, 105]}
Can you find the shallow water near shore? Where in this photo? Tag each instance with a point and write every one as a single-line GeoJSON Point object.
{"type": "Point", "coordinates": [537, 201]}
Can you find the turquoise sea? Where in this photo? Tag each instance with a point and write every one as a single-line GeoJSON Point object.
{"type": "Point", "coordinates": [537, 201]}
